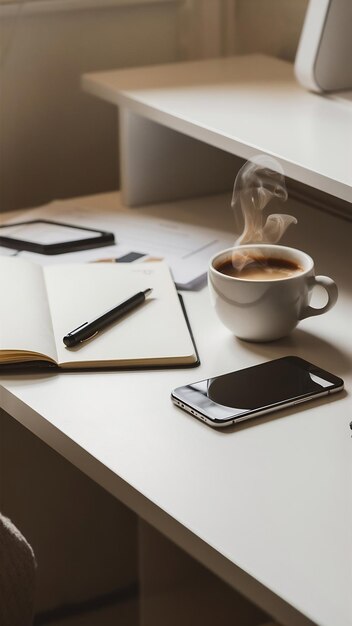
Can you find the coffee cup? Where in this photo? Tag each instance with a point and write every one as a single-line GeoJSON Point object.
{"type": "Point", "coordinates": [261, 291]}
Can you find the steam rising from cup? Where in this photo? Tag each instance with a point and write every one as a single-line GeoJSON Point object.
{"type": "Point", "coordinates": [257, 183]}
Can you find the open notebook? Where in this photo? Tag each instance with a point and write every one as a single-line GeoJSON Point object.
{"type": "Point", "coordinates": [39, 305]}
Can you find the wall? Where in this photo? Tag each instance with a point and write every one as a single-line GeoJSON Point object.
{"type": "Point", "coordinates": [269, 26]}
{"type": "Point", "coordinates": [56, 141]}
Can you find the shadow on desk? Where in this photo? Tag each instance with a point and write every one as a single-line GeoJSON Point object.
{"type": "Point", "coordinates": [307, 346]}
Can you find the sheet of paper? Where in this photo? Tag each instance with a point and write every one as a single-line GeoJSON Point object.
{"type": "Point", "coordinates": [186, 248]}
{"type": "Point", "coordinates": [25, 321]}
{"type": "Point", "coordinates": [156, 331]}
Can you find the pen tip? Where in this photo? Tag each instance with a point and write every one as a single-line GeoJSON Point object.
{"type": "Point", "coordinates": [147, 292]}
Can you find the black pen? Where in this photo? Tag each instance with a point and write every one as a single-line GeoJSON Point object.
{"type": "Point", "coordinates": [88, 330]}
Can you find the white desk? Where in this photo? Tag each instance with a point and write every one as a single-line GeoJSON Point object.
{"type": "Point", "coordinates": [267, 505]}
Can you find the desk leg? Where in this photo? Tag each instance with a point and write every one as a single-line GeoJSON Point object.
{"type": "Point", "coordinates": [160, 164]}
{"type": "Point", "coordinates": [176, 589]}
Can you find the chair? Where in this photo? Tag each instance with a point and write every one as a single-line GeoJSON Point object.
{"type": "Point", "coordinates": [17, 576]}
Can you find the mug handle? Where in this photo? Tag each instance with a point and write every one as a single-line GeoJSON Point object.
{"type": "Point", "coordinates": [332, 291]}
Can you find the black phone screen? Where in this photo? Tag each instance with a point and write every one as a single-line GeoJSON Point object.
{"type": "Point", "coordinates": [256, 388]}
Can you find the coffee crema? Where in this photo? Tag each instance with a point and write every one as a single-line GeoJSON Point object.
{"type": "Point", "coordinates": [260, 268]}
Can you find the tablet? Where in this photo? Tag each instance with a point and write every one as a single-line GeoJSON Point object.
{"type": "Point", "coordinates": [49, 237]}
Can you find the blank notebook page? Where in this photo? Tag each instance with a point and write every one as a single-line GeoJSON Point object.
{"type": "Point", "coordinates": [156, 331]}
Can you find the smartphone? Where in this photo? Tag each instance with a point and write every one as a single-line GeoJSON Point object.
{"type": "Point", "coordinates": [253, 391]}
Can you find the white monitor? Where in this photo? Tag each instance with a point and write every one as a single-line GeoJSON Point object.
{"type": "Point", "coordinates": [324, 56]}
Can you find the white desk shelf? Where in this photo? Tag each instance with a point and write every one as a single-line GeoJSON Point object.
{"type": "Point", "coordinates": [241, 105]}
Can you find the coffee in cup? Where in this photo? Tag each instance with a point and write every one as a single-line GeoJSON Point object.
{"type": "Point", "coordinates": [259, 267]}
{"type": "Point", "coordinates": [261, 291]}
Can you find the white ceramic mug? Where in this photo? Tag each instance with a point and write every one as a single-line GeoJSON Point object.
{"type": "Point", "coordinates": [265, 310]}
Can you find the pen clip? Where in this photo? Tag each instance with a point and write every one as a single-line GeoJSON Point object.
{"type": "Point", "coordinates": [90, 337]}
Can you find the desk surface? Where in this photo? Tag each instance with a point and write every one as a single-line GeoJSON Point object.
{"type": "Point", "coordinates": [266, 505]}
